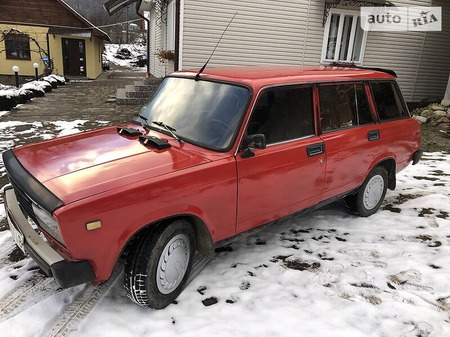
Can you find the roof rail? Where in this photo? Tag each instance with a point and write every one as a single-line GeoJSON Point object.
{"type": "Point", "coordinates": [352, 65]}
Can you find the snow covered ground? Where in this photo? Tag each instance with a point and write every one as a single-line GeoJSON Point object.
{"type": "Point", "coordinates": [10, 91]}
{"type": "Point", "coordinates": [328, 273]}
{"type": "Point", "coordinates": [11, 96]}
{"type": "Point", "coordinates": [136, 51]}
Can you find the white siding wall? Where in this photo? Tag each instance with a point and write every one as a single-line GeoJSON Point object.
{"type": "Point", "coordinates": [291, 32]}
{"type": "Point", "coordinates": [421, 60]}
{"type": "Point", "coordinates": [312, 44]}
{"type": "Point", "coordinates": [263, 32]}
{"type": "Point", "coordinates": [434, 66]}
{"type": "Point", "coordinates": [152, 57]}
{"type": "Point", "coordinates": [400, 51]}
{"type": "Point", "coordinates": [158, 42]}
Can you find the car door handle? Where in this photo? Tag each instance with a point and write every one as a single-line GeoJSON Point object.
{"type": "Point", "coordinates": [373, 135]}
{"type": "Point", "coordinates": [315, 149]}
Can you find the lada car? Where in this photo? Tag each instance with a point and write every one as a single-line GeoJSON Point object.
{"type": "Point", "coordinates": [210, 156]}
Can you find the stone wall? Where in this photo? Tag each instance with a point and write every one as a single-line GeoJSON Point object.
{"type": "Point", "coordinates": [436, 115]}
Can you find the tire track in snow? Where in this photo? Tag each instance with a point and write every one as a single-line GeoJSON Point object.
{"type": "Point", "coordinates": [34, 290]}
{"type": "Point", "coordinates": [87, 299]}
{"type": "Point", "coordinates": [74, 313]}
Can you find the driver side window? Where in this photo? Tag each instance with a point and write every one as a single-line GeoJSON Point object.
{"type": "Point", "coordinates": [283, 114]}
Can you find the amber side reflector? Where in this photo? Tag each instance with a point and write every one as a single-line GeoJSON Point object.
{"type": "Point", "coordinates": [90, 226]}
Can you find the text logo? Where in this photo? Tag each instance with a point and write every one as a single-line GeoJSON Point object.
{"type": "Point", "coordinates": [425, 19]}
{"type": "Point", "coordinates": [401, 18]}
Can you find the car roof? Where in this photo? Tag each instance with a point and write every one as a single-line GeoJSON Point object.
{"type": "Point", "coordinates": [259, 76]}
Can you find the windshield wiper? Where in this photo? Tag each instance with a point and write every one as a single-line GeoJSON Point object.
{"type": "Point", "coordinates": [145, 119]}
{"type": "Point", "coordinates": [170, 129]}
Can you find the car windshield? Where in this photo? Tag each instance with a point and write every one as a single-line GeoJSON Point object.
{"type": "Point", "coordinates": [203, 112]}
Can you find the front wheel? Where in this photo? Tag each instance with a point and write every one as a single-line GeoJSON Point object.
{"type": "Point", "coordinates": [371, 194]}
{"type": "Point", "coordinates": [159, 264]}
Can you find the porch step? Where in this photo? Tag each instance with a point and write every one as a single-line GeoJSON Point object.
{"type": "Point", "coordinates": [133, 92]}
{"type": "Point", "coordinates": [153, 81]}
{"type": "Point", "coordinates": [137, 93]}
{"type": "Point", "coordinates": [123, 99]}
{"type": "Point", "coordinates": [143, 86]}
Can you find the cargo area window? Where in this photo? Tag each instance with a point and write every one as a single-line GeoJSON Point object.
{"type": "Point", "coordinates": [387, 101]}
{"type": "Point", "coordinates": [283, 114]}
{"type": "Point", "coordinates": [343, 106]}
{"type": "Point", "coordinates": [344, 40]}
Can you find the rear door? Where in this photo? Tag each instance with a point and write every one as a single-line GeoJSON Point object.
{"type": "Point", "coordinates": [288, 175]}
{"type": "Point", "coordinates": [400, 134]}
{"type": "Point", "coordinates": [350, 134]}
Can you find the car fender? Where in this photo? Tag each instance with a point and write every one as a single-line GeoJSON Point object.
{"type": "Point", "coordinates": [389, 161]}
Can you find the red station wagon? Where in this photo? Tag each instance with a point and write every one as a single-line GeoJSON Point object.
{"type": "Point", "coordinates": [210, 156]}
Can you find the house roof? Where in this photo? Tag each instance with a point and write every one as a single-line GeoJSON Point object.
{"type": "Point", "coordinates": [259, 76]}
{"type": "Point", "coordinates": [97, 31]}
{"type": "Point", "coordinates": [46, 13]}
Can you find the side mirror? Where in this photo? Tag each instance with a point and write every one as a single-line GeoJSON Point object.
{"type": "Point", "coordinates": [256, 141]}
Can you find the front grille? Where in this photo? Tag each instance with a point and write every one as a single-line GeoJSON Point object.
{"type": "Point", "coordinates": [28, 186]}
{"type": "Point", "coordinates": [25, 202]}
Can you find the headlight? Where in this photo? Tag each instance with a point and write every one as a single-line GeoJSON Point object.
{"type": "Point", "coordinates": [47, 222]}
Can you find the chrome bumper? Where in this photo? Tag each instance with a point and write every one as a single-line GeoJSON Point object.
{"type": "Point", "coordinates": [67, 273]}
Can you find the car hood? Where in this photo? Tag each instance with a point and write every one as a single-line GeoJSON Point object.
{"type": "Point", "coordinates": [89, 163]}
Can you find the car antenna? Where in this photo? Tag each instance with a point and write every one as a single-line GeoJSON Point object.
{"type": "Point", "coordinates": [197, 77]}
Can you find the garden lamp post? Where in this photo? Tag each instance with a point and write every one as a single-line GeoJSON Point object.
{"type": "Point", "coordinates": [16, 73]}
{"type": "Point", "coordinates": [36, 74]}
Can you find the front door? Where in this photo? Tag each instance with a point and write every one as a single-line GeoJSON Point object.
{"type": "Point", "coordinates": [74, 56]}
{"type": "Point", "coordinates": [288, 175]}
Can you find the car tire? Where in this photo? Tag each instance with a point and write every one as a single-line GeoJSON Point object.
{"type": "Point", "coordinates": [370, 196]}
{"type": "Point", "coordinates": [159, 264]}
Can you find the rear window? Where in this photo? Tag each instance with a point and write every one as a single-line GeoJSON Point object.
{"type": "Point", "coordinates": [344, 105]}
{"type": "Point", "coordinates": [387, 101]}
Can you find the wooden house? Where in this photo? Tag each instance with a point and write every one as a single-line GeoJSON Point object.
{"type": "Point", "coordinates": [52, 35]}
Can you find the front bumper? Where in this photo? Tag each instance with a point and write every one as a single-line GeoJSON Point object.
{"type": "Point", "coordinates": [67, 273]}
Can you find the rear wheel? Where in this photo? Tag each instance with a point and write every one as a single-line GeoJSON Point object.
{"type": "Point", "coordinates": [371, 194]}
{"type": "Point", "coordinates": [159, 264]}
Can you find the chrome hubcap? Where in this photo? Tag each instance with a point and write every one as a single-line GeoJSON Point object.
{"type": "Point", "coordinates": [373, 192]}
{"type": "Point", "coordinates": [173, 264]}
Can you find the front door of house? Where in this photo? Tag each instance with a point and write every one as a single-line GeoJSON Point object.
{"type": "Point", "coordinates": [74, 55]}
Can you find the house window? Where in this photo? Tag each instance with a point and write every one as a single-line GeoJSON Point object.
{"type": "Point", "coordinates": [344, 39]}
{"type": "Point", "coordinates": [17, 46]}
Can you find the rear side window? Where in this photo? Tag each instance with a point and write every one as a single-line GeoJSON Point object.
{"type": "Point", "coordinates": [283, 114]}
{"type": "Point", "coordinates": [343, 106]}
{"type": "Point", "coordinates": [387, 100]}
